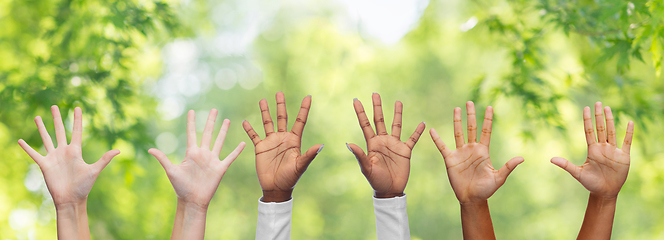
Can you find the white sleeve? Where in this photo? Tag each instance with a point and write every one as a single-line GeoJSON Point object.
{"type": "Point", "coordinates": [274, 220]}
{"type": "Point", "coordinates": [391, 218]}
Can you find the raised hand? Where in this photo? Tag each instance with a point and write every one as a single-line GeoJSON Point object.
{"type": "Point", "coordinates": [279, 163]}
{"type": "Point", "coordinates": [603, 173]}
{"type": "Point", "coordinates": [469, 167]}
{"type": "Point", "coordinates": [68, 178]}
{"type": "Point", "coordinates": [606, 166]}
{"type": "Point", "coordinates": [197, 178]}
{"type": "Point", "coordinates": [387, 164]}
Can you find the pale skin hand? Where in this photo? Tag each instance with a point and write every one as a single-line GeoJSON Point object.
{"type": "Point", "coordinates": [603, 173]}
{"type": "Point", "coordinates": [387, 166]}
{"type": "Point", "coordinates": [197, 178]}
{"type": "Point", "coordinates": [279, 163]}
{"type": "Point", "coordinates": [471, 173]}
{"type": "Point", "coordinates": [68, 178]}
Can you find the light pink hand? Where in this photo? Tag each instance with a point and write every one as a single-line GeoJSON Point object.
{"type": "Point", "coordinates": [68, 178]}
{"type": "Point", "coordinates": [197, 178]}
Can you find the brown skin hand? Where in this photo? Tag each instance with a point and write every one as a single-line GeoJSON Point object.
{"type": "Point", "coordinates": [387, 164]}
{"type": "Point", "coordinates": [603, 173]}
{"type": "Point", "coordinates": [471, 172]}
{"type": "Point", "coordinates": [279, 162]}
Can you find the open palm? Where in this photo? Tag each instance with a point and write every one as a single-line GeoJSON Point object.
{"type": "Point", "coordinates": [606, 166]}
{"type": "Point", "coordinates": [469, 167]}
{"type": "Point", "coordinates": [387, 164]}
{"type": "Point", "coordinates": [68, 178]}
{"type": "Point", "coordinates": [197, 178]}
{"type": "Point", "coordinates": [279, 163]}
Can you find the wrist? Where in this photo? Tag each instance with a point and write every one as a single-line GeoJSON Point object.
{"type": "Point", "coordinates": [192, 208]}
{"type": "Point", "coordinates": [77, 205]}
{"type": "Point", "coordinates": [276, 195]}
{"type": "Point", "coordinates": [474, 203]}
{"type": "Point", "coordinates": [388, 194]}
{"type": "Point", "coordinates": [74, 213]}
{"type": "Point", "coordinates": [602, 199]}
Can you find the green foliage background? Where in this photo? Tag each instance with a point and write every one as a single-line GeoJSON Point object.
{"type": "Point", "coordinates": [135, 66]}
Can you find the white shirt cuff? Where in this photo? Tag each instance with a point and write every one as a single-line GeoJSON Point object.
{"type": "Point", "coordinates": [391, 218]}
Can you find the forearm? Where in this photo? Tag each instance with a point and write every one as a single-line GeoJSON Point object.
{"type": "Point", "coordinates": [189, 221]}
{"type": "Point", "coordinates": [72, 221]}
{"type": "Point", "coordinates": [598, 221]}
{"type": "Point", "coordinates": [476, 221]}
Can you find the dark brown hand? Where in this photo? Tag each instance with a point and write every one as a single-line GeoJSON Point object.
{"type": "Point", "coordinates": [387, 164]}
{"type": "Point", "coordinates": [278, 161]}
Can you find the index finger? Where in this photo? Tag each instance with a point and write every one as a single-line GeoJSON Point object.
{"type": "Point", "coordinates": [628, 137]}
{"type": "Point", "coordinates": [302, 115]}
{"type": "Point", "coordinates": [250, 131]}
{"type": "Point", "coordinates": [588, 126]}
{"type": "Point", "coordinates": [442, 148]}
{"type": "Point", "coordinates": [48, 142]}
{"type": "Point", "coordinates": [364, 121]}
{"type": "Point", "coordinates": [458, 129]}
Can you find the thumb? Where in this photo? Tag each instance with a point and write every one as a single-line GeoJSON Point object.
{"type": "Point", "coordinates": [361, 157]}
{"type": "Point", "coordinates": [161, 157]}
{"type": "Point", "coordinates": [509, 166]}
{"type": "Point", "coordinates": [567, 166]}
{"type": "Point", "coordinates": [304, 160]}
{"type": "Point", "coordinates": [104, 160]}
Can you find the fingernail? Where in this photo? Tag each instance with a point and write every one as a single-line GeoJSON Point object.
{"type": "Point", "coordinates": [354, 99]}
{"type": "Point", "coordinates": [320, 149]}
{"type": "Point", "coordinates": [309, 95]}
{"type": "Point", "coordinates": [351, 150]}
{"type": "Point", "coordinates": [424, 122]}
{"type": "Point", "coordinates": [374, 93]}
